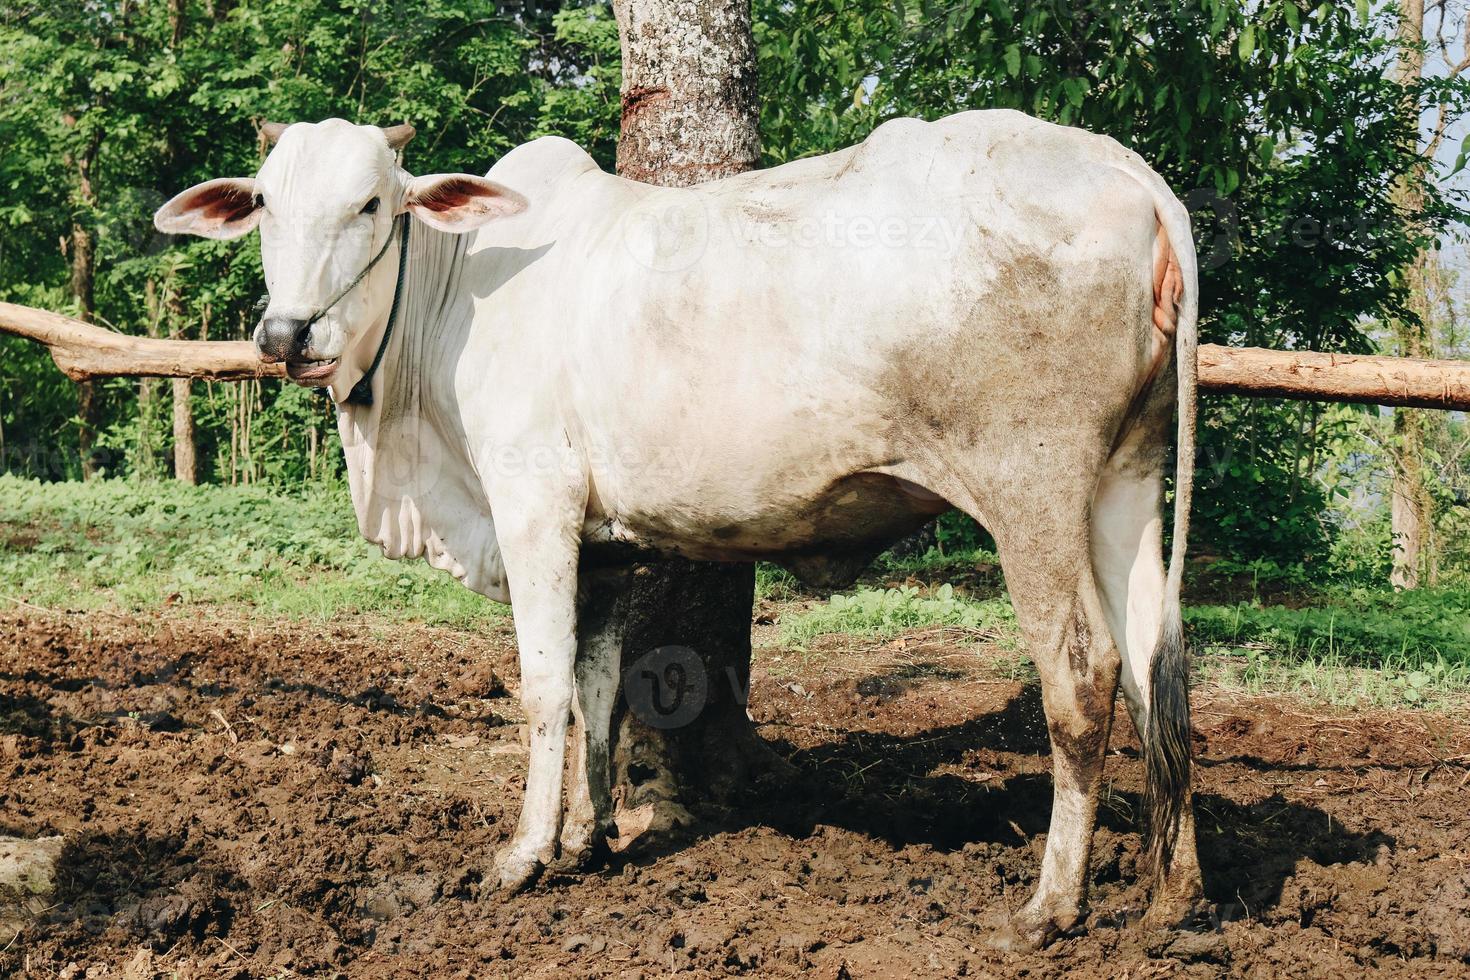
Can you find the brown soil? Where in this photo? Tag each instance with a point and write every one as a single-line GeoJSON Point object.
{"type": "Point", "coordinates": [247, 799]}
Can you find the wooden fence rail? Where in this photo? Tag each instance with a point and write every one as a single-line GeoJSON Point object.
{"type": "Point", "coordinates": [83, 351]}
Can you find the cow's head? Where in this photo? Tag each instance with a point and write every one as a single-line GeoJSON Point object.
{"type": "Point", "coordinates": [325, 201]}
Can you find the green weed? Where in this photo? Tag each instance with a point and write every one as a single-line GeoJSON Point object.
{"type": "Point", "coordinates": [1360, 627]}
{"type": "Point", "coordinates": [935, 563]}
{"type": "Point", "coordinates": [889, 612]}
{"type": "Point", "coordinates": [294, 553]}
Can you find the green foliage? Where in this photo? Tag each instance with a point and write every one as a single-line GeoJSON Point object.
{"type": "Point", "coordinates": [1360, 647]}
{"type": "Point", "coordinates": [888, 612]}
{"type": "Point", "coordinates": [1257, 494]}
{"type": "Point", "coordinates": [108, 109]}
{"type": "Point", "coordinates": [957, 534]}
{"type": "Point", "coordinates": [1276, 122]}
{"type": "Point", "coordinates": [935, 564]}
{"type": "Point", "coordinates": [1336, 680]}
{"type": "Point", "coordinates": [1361, 627]}
{"type": "Point", "coordinates": [120, 544]}
{"type": "Point", "coordinates": [774, 583]}
{"type": "Point", "coordinates": [1354, 647]}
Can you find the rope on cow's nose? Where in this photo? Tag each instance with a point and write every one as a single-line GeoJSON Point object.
{"type": "Point", "coordinates": [356, 280]}
{"type": "Point", "coordinates": [362, 392]}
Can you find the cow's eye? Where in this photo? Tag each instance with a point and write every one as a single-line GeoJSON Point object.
{"type": "Point", "coordinates": [370, 207]}
{"type": "Point", "coordinates": [259, 201]}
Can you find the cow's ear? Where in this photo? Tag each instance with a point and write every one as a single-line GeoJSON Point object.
{"type": "Point", "coordinates": [459, 202]}
{"type": "Point", "coordinates": [225, 208]}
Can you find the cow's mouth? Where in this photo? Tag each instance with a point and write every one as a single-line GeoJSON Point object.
{"type": "Point", "coordinates": [311, 372]}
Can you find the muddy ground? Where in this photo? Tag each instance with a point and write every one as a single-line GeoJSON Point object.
{"type": "Point", "coordinates": [248, 799]}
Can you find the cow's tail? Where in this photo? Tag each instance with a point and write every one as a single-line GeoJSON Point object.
{"type": "Point", "coordinates": [1166, 741]}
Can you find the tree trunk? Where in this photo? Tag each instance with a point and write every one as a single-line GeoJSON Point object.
{"type": "Point", "coordinates": [145, 462]}
{"type": "Point", "coordinates": [689, 114]}
{"type": "Point", "coordinates": [83, 278]}
{"type": "Point", "coordinates": [689, 98]}
{"type": "Point", "coordinates": [185, 464]}
{"type": "Point", "coordinates": [1411, 507]}
{"type": "Point", "coordinates": [186, 467]}
{"type": "Point", "coordinates": [175, 23]}
{"type": "Point", "coordinates": [82, 273]}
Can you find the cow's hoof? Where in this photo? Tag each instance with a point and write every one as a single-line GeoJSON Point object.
{"type": "Point", "coordinates": [515, 869]}
{"type": "Point", "coordinates": [1180, 903]}
{"type": "Point", "coordinates": [1031, 929]}
{"type": "Point", "coordinates": [583, 845]}
{"type": "Point", "coordinates": [1194, 914]}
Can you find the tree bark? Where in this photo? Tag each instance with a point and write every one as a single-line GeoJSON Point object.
{"type": "Point", "coordinates": [145, 464]}
{"type": "Point", "coordinates": [689, 114]}
{"type": "Point", "coordinates": [689, 111]}
{"type": "Point", "coordinates": [84, 352]}
{"type": "Point", "coordinates": [83, 278]}
{"type": "Point", "coordinates": [185, 461]}
{"type": "Point", "coordinates": [145, 456]}
{"type": "Point", "coordinates": [186, 464]}
{"type": "Point", "coordinates": [1356, 378]}
{"type": "Point", "coordinates": [1411, 509]}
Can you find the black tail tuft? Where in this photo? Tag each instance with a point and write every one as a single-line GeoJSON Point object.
{"type": "Point", "coordinates": [1166, 745]}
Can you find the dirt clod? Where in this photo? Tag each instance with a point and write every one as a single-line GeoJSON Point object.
{"type": "Point", "coordinates": [194, 845]}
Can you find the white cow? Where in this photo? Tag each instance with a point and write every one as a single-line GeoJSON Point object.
{"type": "Point", "coordinates": [559, 368]}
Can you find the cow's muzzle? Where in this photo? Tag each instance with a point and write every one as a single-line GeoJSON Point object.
{"type": "Point", "coordinates": [282, 338]}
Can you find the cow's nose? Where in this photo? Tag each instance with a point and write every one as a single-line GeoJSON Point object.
{"type": "Point", "coordinates": [281, 338]}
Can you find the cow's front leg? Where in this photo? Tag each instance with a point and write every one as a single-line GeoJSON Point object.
{"type": "Point", "coordinates": [600, 646]}
{"type": "Point", "coordinates": [539, 545]}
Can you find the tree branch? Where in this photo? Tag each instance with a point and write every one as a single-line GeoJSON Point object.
{"type": "Point", "coordinates": [84, 352]}
{"type": "Point", "coordinates": [1364, 379]}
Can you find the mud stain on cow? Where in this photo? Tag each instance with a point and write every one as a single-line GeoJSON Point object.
{"type": "Point", "coordinates": [1079, 643]}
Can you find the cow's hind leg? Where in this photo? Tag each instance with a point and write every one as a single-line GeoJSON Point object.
{"type": "Point", "coordinates": [1041, 532]}
{"type": "Point", "coordinates": [1061, 617]}
{"type": "Point", "coordinates": [1128, 561]}
{"type": "Point", "coordinates": [600, 645]}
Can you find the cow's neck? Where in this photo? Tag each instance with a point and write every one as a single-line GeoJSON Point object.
{"type": "Point", "coordinates": [407, 454]}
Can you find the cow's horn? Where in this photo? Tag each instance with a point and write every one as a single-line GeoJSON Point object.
{"type": "Point", "coordinates": [398, 136]}
{"type": "Point", "coordinates": [272, 131]}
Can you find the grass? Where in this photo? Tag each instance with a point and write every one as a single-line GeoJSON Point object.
{"type": "Point", "coordinates": [1332, 679]}
{"type": "Point", "coordinates": [774, 583]}
{"type": "Point", "coordinates": [1355, 646]}
{"type": "Point", "coordinates": [294, 553]}
{"type": "Point", "coordinates": [886, 613]}
{"type": "Point", "coordinates": [934, 563]}
{"type": "Point", "coordinates": [1359, 626]}
{"type": "Point", "coordinates": [1360, 647]}
{"type": "Point", "coordinates": [297, 553]}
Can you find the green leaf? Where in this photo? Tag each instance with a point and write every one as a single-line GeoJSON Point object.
{"type": "Point", "coordinates": [1013, 60]}
{"type": "Point", "coordinates": [1247, 43]}
{"type": "Point", "coordinates": [1461, 157]}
